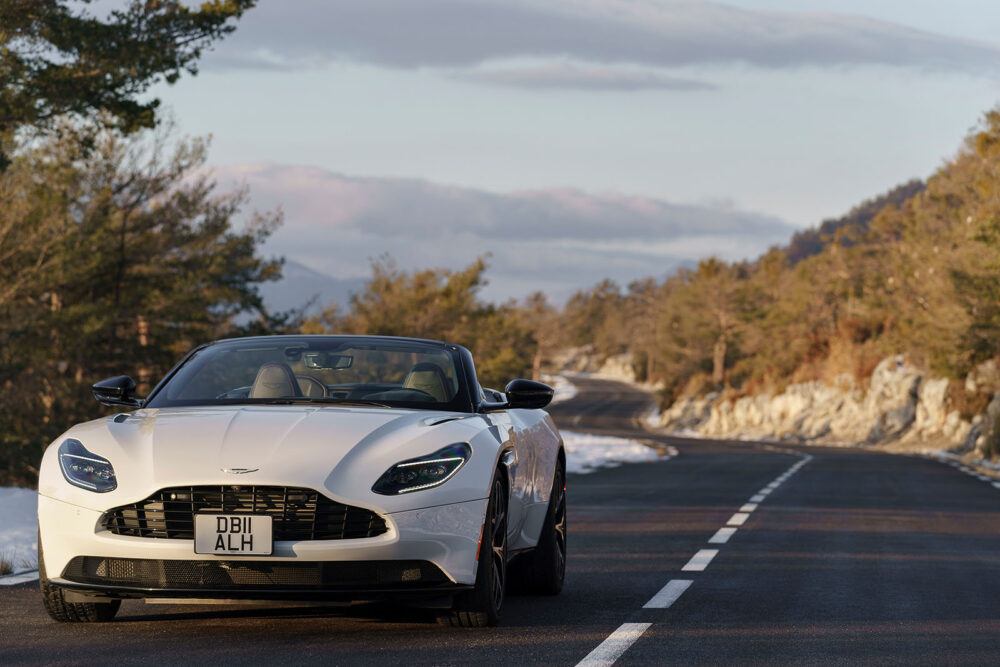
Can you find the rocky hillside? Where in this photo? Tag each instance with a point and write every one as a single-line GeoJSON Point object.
{"type": "Point", "coordinates": [899, 405]}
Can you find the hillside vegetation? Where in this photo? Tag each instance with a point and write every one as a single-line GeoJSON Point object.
{"type": "Point", "coordinates": [118, 255]}
{"type": "Point", "coordinates": [915, 272]}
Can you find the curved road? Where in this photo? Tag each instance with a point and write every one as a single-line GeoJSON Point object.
{"type": "Point", "coordinates": [729, 553]}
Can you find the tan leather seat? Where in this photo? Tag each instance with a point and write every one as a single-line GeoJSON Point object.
{"type": "Point", "coordinates": [310, 386]}
{"type": "Point", "coordinates": [275, 381]}
{"type": "Point", "coordinates": [428, 378]}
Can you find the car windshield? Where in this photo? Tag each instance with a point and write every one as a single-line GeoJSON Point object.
{"type": "Point", "coordinates": [302, 369]}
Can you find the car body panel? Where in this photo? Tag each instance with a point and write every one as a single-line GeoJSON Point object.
{"type": "Point", "coordinates": [337, 450]}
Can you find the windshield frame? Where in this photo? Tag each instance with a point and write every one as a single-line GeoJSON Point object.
{"type": "Point", "coordinates": [462, 401]}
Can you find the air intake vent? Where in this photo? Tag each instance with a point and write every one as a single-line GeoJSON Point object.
{"type": "Point", "coordinates": [250, 575]}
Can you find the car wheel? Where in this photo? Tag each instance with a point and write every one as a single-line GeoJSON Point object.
{"type": "Point", "coordinates": [480, 607]}
{"type": "Point", "coordinates": [54, 599]}
{"type": "Point", "coordinates": [542, 571]}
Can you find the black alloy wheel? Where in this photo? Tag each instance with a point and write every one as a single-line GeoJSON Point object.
{"type": "Point", "coordinates": [542, 571]}
{"type": "Point", "coordinates": [559, 526]}
{"type": "Point", "coordinates": [498, 542]}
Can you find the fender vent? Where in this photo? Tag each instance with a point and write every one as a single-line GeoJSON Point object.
{"type": "Point", "coordinates": [299, 514]}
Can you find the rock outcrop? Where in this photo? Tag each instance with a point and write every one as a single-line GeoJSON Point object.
{"type": "Point", "coordinates": [584, 360]}
{"type": "Point", "coordinates": [899, 404]}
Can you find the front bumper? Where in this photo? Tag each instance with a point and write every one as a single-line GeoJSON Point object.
{"type": "Point", "coordinates": [236, 579]}
{"type": "Point", "coordinates": [444, 537]}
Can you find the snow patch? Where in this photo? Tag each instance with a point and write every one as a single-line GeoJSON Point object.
{"type": "Point", "coordinates": [565, 390]}
{"type": "Point", "coordinates": [651, 419]}
{"type": "Point", "coordinates": [19, 528]}
{"type": "Point", "coordinates": [586, 452]}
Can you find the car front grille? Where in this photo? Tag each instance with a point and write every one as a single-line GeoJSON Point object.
{"type": "Point", "coordinates": [251, 575]}
{"type": "Point", "coordinates": [299, 514]}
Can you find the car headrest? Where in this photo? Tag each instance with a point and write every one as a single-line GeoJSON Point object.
{"type": "Point", "coordinates": [310, 386]}
{"type": "Point", "coordinates": [428, 378]}
{"type": "Point", "coordinates": [275, 381]}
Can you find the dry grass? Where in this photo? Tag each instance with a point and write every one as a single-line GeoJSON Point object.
{"type": "Point", "coordinates": [6, 564]}
{"type": "Point", "coordinates": [847, 357]}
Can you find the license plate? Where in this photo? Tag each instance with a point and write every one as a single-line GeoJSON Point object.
{"type": "Point", "coordinates": [241, 534]}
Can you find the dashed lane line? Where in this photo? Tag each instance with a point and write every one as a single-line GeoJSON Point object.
{"type": "Point", "coordinates": [614, 646]}
{"type": "Point", "coordinates": [669, 594]}
{"type": "Point", "coordinates": [700, 560]}
{"type": "Point", "coordinates": [722, 535]}
{"type": "Point", "coordinates": [738, 519]}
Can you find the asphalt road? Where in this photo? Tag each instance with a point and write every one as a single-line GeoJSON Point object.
{"type": "Point", "coordinates": [832, 556]}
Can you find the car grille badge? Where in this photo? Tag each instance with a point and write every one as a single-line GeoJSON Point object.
{"type": "Point", "coordinates": [239, 471]}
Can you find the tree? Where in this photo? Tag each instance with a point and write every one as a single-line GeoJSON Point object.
{"type": "Point", "coordinates": [718, 288]}
{"type": "Point", "coordinates": [145, 263]}
{"type": "Point", "coordinates": [443, 305]}
{"type": "Point", "coordinates": [643, 310]}
{"type": "Point", "coordinates": [542, 320]}
{"type": "Point", "coordinates": [596, 317]}
{"type": "Point", "coordinates": [56, 58]}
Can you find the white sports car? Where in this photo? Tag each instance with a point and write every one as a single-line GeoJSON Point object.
{"type": "Point", "coordinates": [307, 467]}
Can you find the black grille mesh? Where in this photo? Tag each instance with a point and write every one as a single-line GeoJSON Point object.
{"type": "Point", "coordinates": [299, 514]}
{"type": "Point", "coordinates": [222, 574]}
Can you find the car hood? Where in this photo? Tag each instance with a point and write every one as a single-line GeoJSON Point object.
{"type": "Point", "coordinates": [335, 449]}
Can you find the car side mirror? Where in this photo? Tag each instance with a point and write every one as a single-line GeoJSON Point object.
{"type": "Point", "coordinates": [528, 394]}
{"type": "Point", "coordinates": [119, 390]}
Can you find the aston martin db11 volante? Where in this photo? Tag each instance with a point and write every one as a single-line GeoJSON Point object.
{"type": "Point", "coordinates": [307, 468]}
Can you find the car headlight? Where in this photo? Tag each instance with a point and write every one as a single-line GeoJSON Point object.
{"type": "Point", "coordinates": [425, 472]}
{"type": "Point", "coordinates": [84, 469]}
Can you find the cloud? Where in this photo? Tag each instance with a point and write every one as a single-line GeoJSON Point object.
{"type": "Point", "coordinates": [653, 33]}
{"type": "Point", "coordinates": [556, 240]}
{"type": "Point", "coordinates": [566, 75]}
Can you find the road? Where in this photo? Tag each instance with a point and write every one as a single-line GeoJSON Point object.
{"type": "Point", "coordinates": [832, 556]}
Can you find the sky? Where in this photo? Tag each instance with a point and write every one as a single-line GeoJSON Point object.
{"type": "Point", "coordinates": [576, 140]}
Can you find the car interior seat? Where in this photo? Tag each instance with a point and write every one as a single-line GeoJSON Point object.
{"type": "Point", "coordinates": [430, 379]}
{"type": "Point", "coordinates": [310, 386]}
{"type": "Point", "coordinates": [275, 381]}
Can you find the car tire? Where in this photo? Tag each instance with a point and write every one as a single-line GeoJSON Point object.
{"type": "Point", "coordinates": [542, 571]}
{"type": "Point", "coordinates": [480, 607]}
{"type": "Point", "coordinates": [54, 600]}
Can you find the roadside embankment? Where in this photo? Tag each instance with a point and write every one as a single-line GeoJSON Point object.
{"type": "Point", "coordinates": [899, 407]}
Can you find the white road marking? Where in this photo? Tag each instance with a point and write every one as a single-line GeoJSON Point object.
{"type": "Point", "coordinates": [996, 485]}
{"type": "Point", "coordinates": [614, 646]}
{"type": "Point", "coordinates": [738, 519]}
{"type": "Point", "coordinates": [619, 641]}
{"type": "Point", "coordinates": [722, 536]}
{"type": "Point", "coordinates": [14, 579]}
{"type": "Point", "coordinates": [700, 560]}
{"type": "Point", "coordinates": [984, 478]}
{"type": "Point", "coordinates": [668, 594]}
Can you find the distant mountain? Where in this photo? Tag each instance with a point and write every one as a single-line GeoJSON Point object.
{"type": "Point", "coordinates": [300, 285]}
